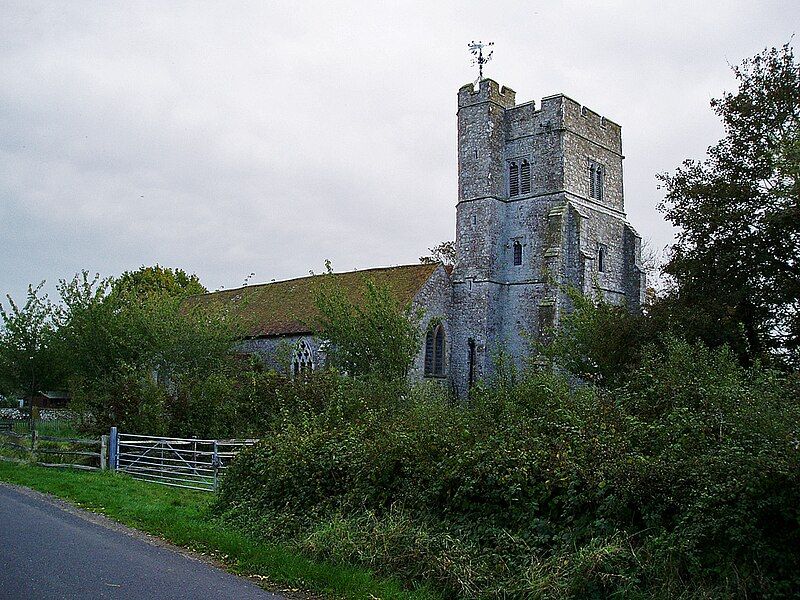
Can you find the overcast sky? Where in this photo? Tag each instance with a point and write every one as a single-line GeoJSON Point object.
{"type": "Point", "coordinates": [266, 137]}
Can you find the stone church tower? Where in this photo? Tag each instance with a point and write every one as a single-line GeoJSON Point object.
{"type": "Point", "coordinates": [540, 207]}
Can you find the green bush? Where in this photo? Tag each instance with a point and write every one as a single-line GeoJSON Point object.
{"type": "Point", "coordinates": [686, 472]}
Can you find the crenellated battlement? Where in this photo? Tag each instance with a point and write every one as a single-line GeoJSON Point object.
{"type": "Point", "coordinates": [488, 91]}
{"type": "Point", "coordinates": [583, 118]}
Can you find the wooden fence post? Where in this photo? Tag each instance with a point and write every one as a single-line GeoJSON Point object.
{"type": "Point", "coordinates": [32, 427]}
{"type": "Point", "coordinates": [33, 443]}
{"type": "Point", "coordinates": [103, 452]}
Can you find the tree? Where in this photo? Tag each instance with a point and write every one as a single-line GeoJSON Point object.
{"type": "Point", "coordinates": [158, 280]}
{"type": "Point", "coordinates": [598, 341]}
{"type": "Point", "coordinates": [737, 256]}
{"type": "Point", "coordinates": [372, 337]}
{"type": "Point", "coordinates": [26, 345]}
{"type": "Point", "coordinates": [133, 350]}
{"type": "Point", "coordinates": [441, 253]}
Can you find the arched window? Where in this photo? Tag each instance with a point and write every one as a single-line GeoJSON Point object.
{"type": "Point", "coordinates": [525, 177]}
{"type": "Point", "coordinates": [513, 179]}
{"type": "Point", "coordinates": [517, 253]}
{"type": "Point", "coordinates": [434, 351]}
{"type": "Point", "coordinates": [601, 258]}
{"type": "Point", "coordinates": [302, 359]}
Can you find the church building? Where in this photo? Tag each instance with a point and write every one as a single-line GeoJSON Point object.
{"type": "Point", "coordinates": [540, 208]}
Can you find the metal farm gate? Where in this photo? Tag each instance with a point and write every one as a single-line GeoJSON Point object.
{"type": "Point", "coordinates": [179, 462]}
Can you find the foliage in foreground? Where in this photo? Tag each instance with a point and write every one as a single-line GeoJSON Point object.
{"type": "Point", "coordinates": [688, 474]}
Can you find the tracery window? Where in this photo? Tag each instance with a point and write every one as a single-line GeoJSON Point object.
{"type": "Point", "coordinates": [302, 359]}
{"type": "Point", "coordinates": [435, 344]}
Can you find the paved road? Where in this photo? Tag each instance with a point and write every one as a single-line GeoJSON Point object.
{"type": "Point", "coordinates": [49, 551]}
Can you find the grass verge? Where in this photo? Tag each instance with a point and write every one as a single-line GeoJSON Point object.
{"type": "Point", "coordinates": [183, 518]}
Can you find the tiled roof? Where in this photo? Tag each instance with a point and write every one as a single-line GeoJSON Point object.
{"type": "Point", "coordinates": [287, 307]}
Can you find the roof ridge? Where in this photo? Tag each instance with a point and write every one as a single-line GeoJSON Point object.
{"type": "Point", "coordinates": [433, 267]}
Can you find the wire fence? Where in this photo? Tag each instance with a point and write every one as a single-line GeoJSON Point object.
{"type": "Point", "coordinates": [178, 462]}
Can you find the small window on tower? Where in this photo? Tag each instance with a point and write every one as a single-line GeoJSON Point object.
{"type": "Point", "coordinates": [601, 258]}
{"type": "Point", "coordinates": [525, 177]}
{"type": "Point", "coordinates": [517, 254]}
{"type": "Point", "coordinates": [513, 179]}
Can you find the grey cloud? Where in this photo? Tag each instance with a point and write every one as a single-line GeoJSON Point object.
{"type": "Point", "coordinates": [268, 137]}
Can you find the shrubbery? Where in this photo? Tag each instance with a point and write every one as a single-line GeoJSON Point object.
{"type": "Point", "coordinates": [681, 481]}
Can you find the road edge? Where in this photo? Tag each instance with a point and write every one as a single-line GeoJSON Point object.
{"type": "Point", "coordinates": [109, 523]}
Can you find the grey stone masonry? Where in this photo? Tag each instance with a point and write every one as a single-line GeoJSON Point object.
{"type": "Point", "coordinates": [540, 207]}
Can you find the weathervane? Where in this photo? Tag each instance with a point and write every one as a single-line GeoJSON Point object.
{"type": "Point", "coordinates": [480, 58]}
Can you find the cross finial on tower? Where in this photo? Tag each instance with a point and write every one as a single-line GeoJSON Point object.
{"type": "Point", "coordinates": [480, 59]}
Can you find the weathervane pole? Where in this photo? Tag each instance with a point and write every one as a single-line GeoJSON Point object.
{"type": "Point", "coordinates": [480, 59]}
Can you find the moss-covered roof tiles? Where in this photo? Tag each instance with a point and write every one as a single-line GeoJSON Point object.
{"type": "Point", "coordinates": [288, 308]}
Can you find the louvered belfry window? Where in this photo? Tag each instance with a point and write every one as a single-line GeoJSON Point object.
{"type": "Point", "coordinates": [513, 179]}
{"type": "Point", "coordinates": [596, 175]}
{"type": "Point", "coordinates": [434, 351]}
{"type": "Point", "coordinates": [525, 177]}
{"type": "Point", "coordinates": [598, 186]}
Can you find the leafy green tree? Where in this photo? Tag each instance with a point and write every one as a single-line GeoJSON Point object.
{"type": "Point", "coordinates": [158, 280]}
{"type": "Point", "coordinates": [373, 336]}
{"type": "Point", "coordinates": [598, 341]}
{"type": "Point", "coordinates": [134, 351]}
{"type": "Point", "coordinates": [26, 345]}
{"type": "Point", "coordinates": [736, 264]}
